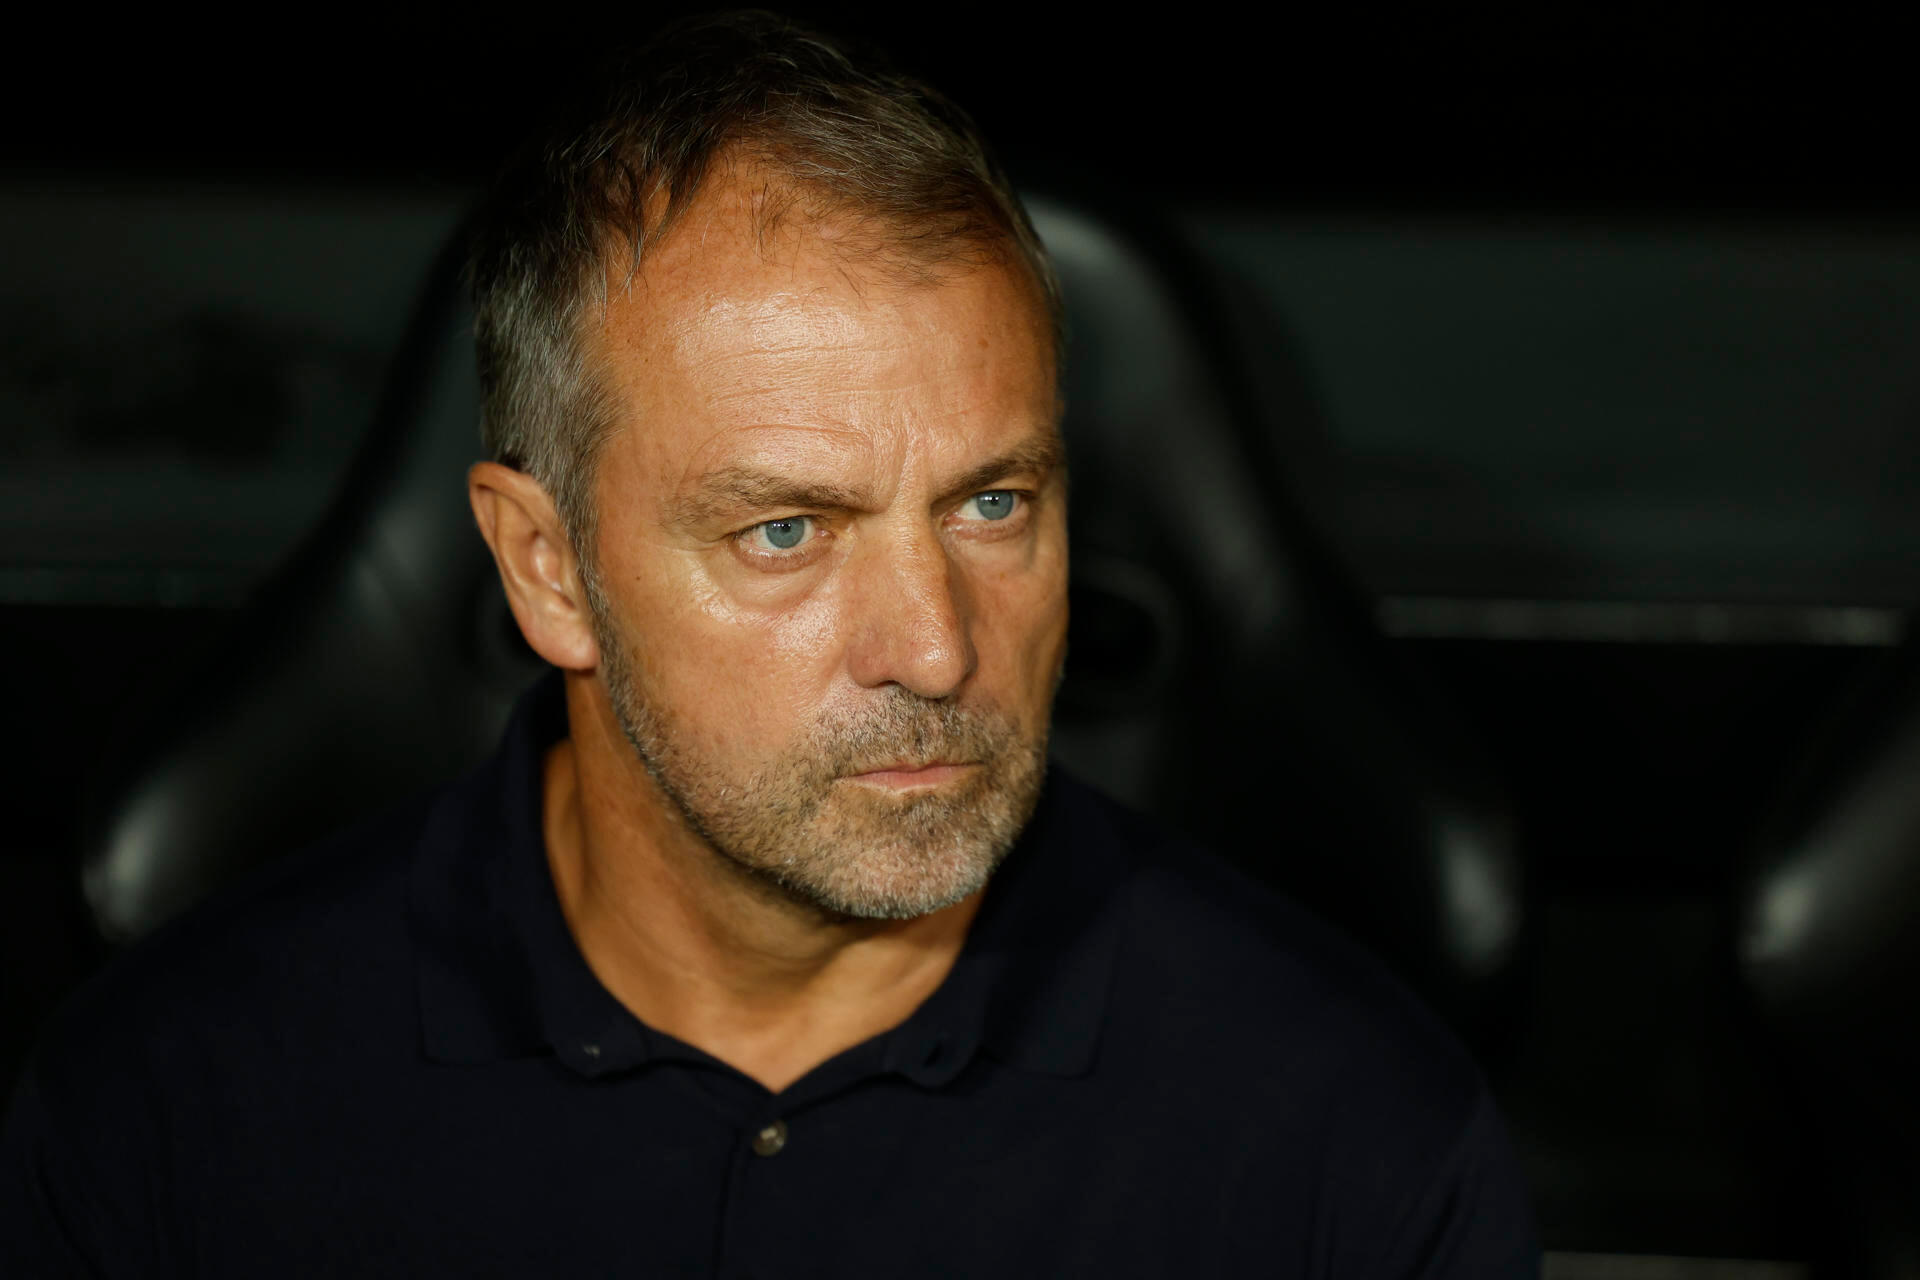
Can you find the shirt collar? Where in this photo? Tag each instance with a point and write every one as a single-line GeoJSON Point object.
{"type": "Point", "coordinates": [499, 975]}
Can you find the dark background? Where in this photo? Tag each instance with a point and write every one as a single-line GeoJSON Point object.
{"type": "Point", "coordinates": [1588, 110]}
{"type": "Point", "coordinates": [1639, 766]}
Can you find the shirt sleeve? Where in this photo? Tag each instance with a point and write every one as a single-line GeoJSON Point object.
{"type": "Point", "coordinates": [1408, 1184]}
{"type": "Point", "coordinates": [1472, 1219]}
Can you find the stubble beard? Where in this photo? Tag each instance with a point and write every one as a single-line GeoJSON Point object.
{"type": "Point", "coordinates": [847, 850]}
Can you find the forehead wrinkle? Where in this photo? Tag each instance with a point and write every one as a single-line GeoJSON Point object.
{"type": "Point", "coordinates": [773, 444]}
{"type": "Point", "coordinates": [824, 334]}
{"type": "Point", "coordinates": [783, 362]}
{"type": "Point", "coordinates": [799, 375]}
{"type": "Point", "coordinates": [788, 321]}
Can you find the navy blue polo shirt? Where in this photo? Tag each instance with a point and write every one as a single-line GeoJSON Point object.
{"type": "Point", "coordinates": [388, 1057]}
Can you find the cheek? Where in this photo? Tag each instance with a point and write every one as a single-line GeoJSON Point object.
{"type": "Point", "coordinates": [805, 637]}
{"type": "Point", "coordinates": [740, 676]}
{"type": "Point", "coordinates": [1020, 630]}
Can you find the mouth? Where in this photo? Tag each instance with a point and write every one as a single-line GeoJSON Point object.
{"type": "Point", "coordinates": [906, 775]}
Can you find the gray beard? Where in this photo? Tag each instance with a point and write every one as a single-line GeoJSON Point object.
{"type": "Point", "coordinates": [846, 850]}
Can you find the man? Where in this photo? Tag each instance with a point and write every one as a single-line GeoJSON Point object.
{"type": "Point", "coordinates": [766, 945]}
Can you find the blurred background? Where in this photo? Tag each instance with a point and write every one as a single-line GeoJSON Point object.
{"type": "Point", "coordinates": [1586, 344]}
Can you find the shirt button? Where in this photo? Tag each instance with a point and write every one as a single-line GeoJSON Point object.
{"type": "Point", "coordinates": [770, 1140]}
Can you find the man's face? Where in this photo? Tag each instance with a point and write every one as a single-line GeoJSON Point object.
{"type": "Point", "coordinates": [832, 553]}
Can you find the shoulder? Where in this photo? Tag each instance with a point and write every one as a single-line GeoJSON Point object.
{"type": "Point", "coordinates": [1232, 982]}
{"type": "Point", "coordinates": [1309, 1075]}
{"type": "Point", "coordinates": [299, 942]}
{"type": "Point", "coordinates": [197, 1031]}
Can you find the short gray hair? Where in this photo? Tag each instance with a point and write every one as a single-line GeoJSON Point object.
{"type": "Point", "coordinates": [627, 157]}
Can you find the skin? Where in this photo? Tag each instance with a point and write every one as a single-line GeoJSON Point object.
{"type": "Point", "coordinates": [766, 375]}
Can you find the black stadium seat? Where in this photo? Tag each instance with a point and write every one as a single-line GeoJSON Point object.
{"type": "Point", "coordinates": [1830, 949]}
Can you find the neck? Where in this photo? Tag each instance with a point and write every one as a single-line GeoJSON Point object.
{"type": "Point", "coordinates": [698, 947]}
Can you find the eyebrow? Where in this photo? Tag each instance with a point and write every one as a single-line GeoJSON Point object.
{"type": "Point", "coordinates": [1040, 456]}
{"type": "Point", "coordinates": [733, 489]}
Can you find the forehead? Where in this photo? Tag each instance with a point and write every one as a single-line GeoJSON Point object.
{"type": "Point", "coordinates": [751, 318]}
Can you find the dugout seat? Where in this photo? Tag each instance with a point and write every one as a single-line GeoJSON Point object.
{"type": "Point", "coordinates": [1830, 952]}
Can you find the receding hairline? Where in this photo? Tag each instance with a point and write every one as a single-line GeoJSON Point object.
{"type": "Point", "coordinates": [788, 210]}
{"type": "Point", "coordinates": [870, 253]}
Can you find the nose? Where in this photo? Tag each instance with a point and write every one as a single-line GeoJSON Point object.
{"type": "Point", "coordinates": [909, 624]}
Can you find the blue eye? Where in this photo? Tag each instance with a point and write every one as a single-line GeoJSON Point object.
{"type": "Point", "coordinates": [784, 535]}
{"type": "Point", "coordinates": [994, 504]}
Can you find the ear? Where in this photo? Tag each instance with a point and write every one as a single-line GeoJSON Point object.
{"type": "Point", "coordinates": [537, 564]}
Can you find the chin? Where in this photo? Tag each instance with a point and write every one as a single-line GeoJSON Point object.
{"type": "Point", "coordinates": [885, 854]}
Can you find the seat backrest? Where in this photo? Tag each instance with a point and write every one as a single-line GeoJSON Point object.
{"type": "Point", "coordinates": [1830, 952]}
{"type": "Point", "coordinates": [1221, 672]}
{"type": "Point", "coordinates": [1225, 671]}
{"type": "Point", "coordinates": [372, 664]}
